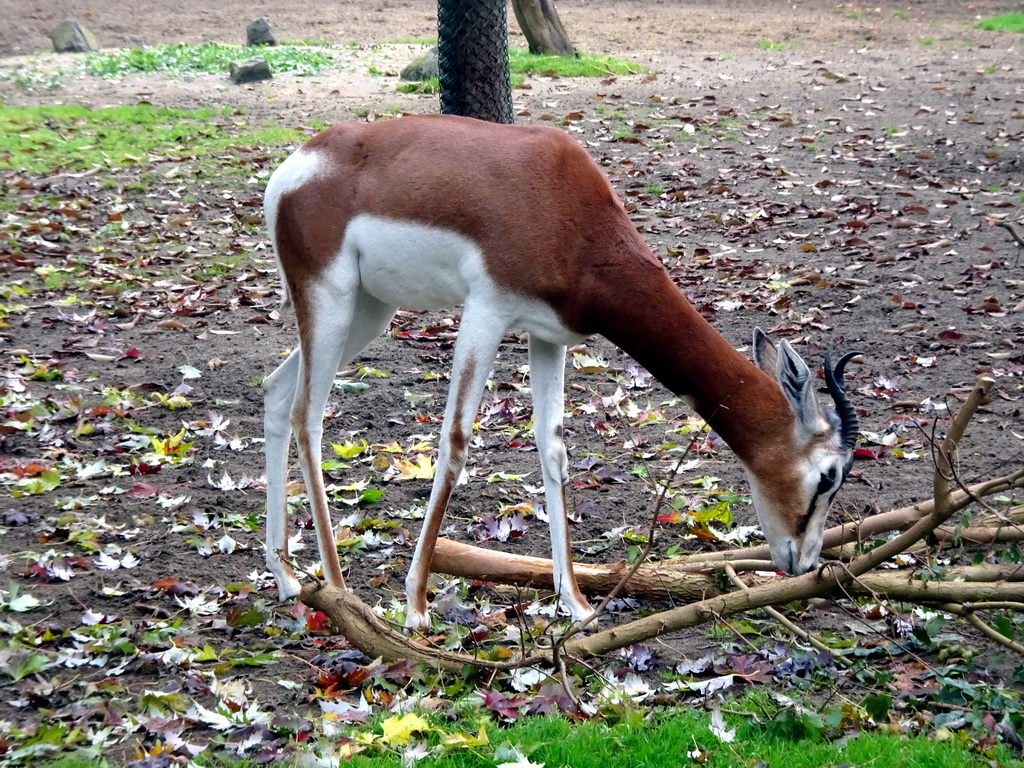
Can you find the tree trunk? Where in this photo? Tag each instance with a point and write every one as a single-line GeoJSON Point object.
{"type": "Point", "coordinates": [543, 29]}
{"type": "Point", "coordinates": [472, 58]}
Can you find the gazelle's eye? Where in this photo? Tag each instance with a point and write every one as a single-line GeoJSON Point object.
{"type": "Point", "coordinates": [826, 482]}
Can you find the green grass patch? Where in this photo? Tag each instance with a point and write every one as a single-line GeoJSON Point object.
{"type": "Point", "coordinates": [430, 85]}
{"type": "Point", "coordinates": [768, 45]}
{"type": "Point", "coordinates": [680, 738]}
{"type": "Point", "coordinates": [42, 139]}
{"type": "Point", "coordinates": [207, 58]}
{"type": "Point", "coordinates": [414, 41]}
{"type": "Point", "coordinates": [76, 762]}
{"type": "Point", "coordinates": [1007, 22]}
{"type": "Point", "coordinates": [32, 77]}
{"type": "Point", "coordinates": [523, 62]}
{"type": "Point", "coordinates": [667, 741]}
{"type": "Point", "coordinates": [307, 43]}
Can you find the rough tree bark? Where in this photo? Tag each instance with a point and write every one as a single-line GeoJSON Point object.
{"type": "Point", "coordinates": [542, 27]}
{"type": "Point", "coordinates": [472, 59]}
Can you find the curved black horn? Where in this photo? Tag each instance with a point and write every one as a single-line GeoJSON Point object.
{"type": "Point", "coordinates": [844, 408]}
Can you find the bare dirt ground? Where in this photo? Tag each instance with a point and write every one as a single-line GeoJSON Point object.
{"type": "Point", "coordinates": [840, 188]}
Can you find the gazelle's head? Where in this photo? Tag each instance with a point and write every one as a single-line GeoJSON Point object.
{"type": "Point", "coordinates": [794, 482]}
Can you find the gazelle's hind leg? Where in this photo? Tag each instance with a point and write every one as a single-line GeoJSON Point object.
{"type": "Point", "coordinates": [278, 395]}
{"type": "Point", "coordinates": [295, 396]}
{"type": "Point", "coordinates": [480, 333]}
{"type": "Point", "coordinates": [547, 376]}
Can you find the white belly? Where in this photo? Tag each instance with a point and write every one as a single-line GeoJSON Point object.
{"type": "Point", "coordinates": [415, 266]}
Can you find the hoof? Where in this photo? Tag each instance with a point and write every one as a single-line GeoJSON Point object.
{"type": "Point", "coordinates": [288, 588]}
{"type": "Point", "coordinates": [417, 621]}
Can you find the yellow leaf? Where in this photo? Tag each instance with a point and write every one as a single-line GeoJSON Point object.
{"type": "Point", "coordinates": [207, 654]}
{"type": "Point", "coordinates": [421, 469]}
{"type": "Point", "coordinates": [468, 741]}
{"type": "Point", "coordinates": [350, 450]}
{"type": "Point", "coordinates": [358, 485]}
{"type": "Point", "coordinates": [398, 730]}
{"type": "Point", "coordinates": [589, 363]}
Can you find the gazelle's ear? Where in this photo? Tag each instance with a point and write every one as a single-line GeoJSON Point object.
{"type": "Point", "coordinates": [764, 353]}
{"type": "Point", "coordinates": [796, 381]}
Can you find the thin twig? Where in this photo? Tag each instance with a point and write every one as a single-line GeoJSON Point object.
{"type": "Point", "coordinates": [659, 503]}
{"type": "Point", "coordinates": [789, 626]}
{"type": "Point", "coordinates": [800, 587]}
{"type": "Point", "coordinates": [1017, 237]}
{"type": "Point", "coordinates": [969, 613]}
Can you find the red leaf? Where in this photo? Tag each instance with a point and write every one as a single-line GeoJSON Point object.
{"type": "Point", "coordinates": [316, 621]}
{"type": "Point", "coordinates": [142, 468]}
{"type": "Point", "coordinates": [505, 706]}
{"type": "Point", "coordinates": [864, 453]}
{"type": "Point", "coordinates": [143, 491]}
{"type": "Point", "coordinates": [173, 586]}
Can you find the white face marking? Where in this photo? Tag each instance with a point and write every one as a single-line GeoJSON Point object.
{"type": "Point", "coordinates": [796, 549]}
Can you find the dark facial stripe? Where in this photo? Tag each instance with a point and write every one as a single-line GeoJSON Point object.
{"type": "Point", "coordinates": [827, 486]}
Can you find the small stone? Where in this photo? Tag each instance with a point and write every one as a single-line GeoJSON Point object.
{"type": "Point", "coordinates": [259, 33]}
{"type": "Point", "coordinates": [71, 37]}
{"type": "Point", "coordinates": [423, 68]}
{"type": "Point", "coordinates": [249, 70]}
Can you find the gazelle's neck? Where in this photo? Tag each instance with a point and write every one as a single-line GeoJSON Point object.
{"type": "Point", "coordinates": [648, 317]}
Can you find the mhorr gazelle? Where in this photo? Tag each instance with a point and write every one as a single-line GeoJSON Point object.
{"type": "Point", "coordinates": [520, 226]}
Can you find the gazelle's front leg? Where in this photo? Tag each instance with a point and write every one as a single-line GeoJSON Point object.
{"type": "Point", "coordinates": [547, 376]}
{"type": "Point", "coordinates": [480, 333]}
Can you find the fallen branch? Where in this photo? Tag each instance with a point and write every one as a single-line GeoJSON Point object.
{"type": "Point", "coordinates": [691, 582]}
{"type": "Point", "coordinates": [992, 585]}
{"type": "Point", "coordinates": [970, 613]}
{"type": "Point", "coordinates": [686, 582]}
{"type": "Point", "coordinates": [362, 627]}
{"type": "Point", "coordinates": [826, 582]}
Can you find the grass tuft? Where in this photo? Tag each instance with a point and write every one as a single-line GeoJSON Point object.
{"type": "Point", "coordinates": [430, 85]}
{"type": "Point", "coordinates": [668, 740]}
{"type": "Point", "coordinates": [42, 139]}
{"type": "Point", "coordinates": [521, 61]}
{"type": "Point", "coordinates": [1007, 22]}
{"type": "Point", "coordinates": [208, 58]}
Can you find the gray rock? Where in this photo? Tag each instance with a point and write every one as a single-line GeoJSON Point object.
{"type": "Point", "coordinates": [423, 68]}
{"type": "Point", "coordinates": [71, 37]}
{"type": "Point", "coordinates": [249, 70]}
{"type": "Point", "coordinates": [259, 33]}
